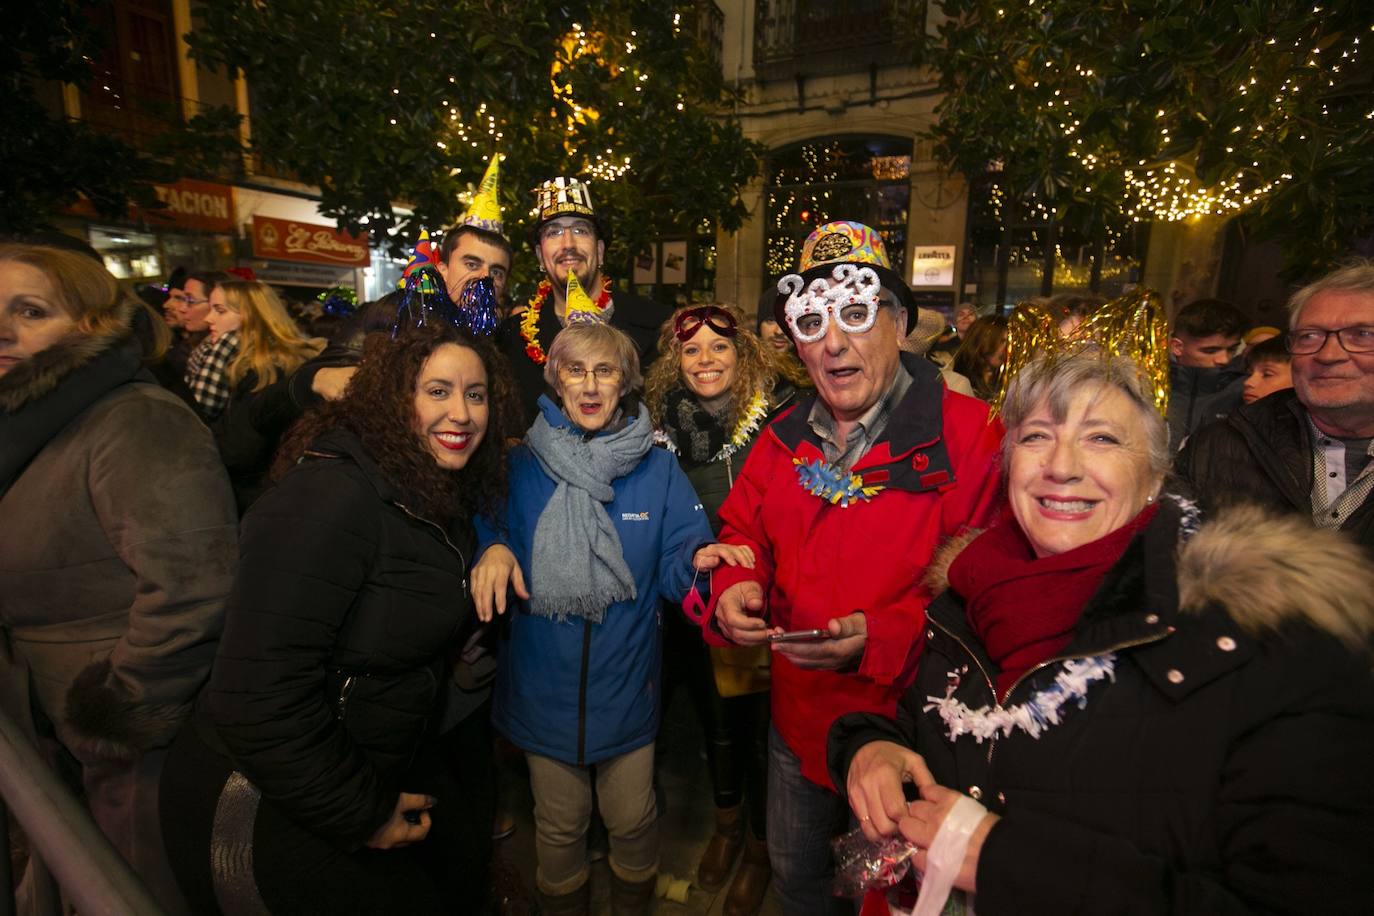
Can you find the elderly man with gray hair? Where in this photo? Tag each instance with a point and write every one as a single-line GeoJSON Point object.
{"type": "Point", "coordinates": [1309, 449]}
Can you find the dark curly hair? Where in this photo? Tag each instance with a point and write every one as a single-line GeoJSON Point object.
{"type": "Point", "coordinates": [379, 408]}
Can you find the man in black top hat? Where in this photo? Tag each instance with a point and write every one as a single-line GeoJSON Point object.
{"type": "Point", "coordinates": [570, 238]}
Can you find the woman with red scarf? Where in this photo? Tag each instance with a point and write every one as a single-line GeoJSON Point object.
{"type": "Point", "coordinates": [1120, 710]}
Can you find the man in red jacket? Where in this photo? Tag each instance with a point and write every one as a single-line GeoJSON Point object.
{"type": "Point", "coordinates": [843, 501]}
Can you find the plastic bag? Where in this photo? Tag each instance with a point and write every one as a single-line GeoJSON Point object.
{"type": "Point", "coordinates": [862, 865]}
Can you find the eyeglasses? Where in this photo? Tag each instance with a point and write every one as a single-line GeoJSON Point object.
{"type": "Point", "coordinates": [852, 295]}
{"type": "Point", "coordinates": [686, 325]}
{"type": "Point", "coordinates": [576, 372]}
{"type": "Point", "coordinates": [580, 230]}
{"type": "Point", "coordinates": [854, 319]}
{"type": "Point", "coordinates": [1306, 341]}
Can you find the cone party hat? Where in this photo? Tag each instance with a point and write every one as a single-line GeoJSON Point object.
{"type": "Point", "coordinates": [580, 306]}
{"type": "Point", "coordinates": [485, 210]}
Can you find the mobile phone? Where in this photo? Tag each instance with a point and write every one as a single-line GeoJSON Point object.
{"type": "Point", "coordinates": [800, 636]}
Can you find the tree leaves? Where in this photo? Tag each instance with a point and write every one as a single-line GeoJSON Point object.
{"type": "Point", "coordinates": [1068, 94]}
{"type": "Point", "coordinates": [487, 72]}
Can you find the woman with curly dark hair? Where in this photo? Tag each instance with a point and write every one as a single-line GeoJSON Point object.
{"type": "Point", "coordinates": [303, 782]}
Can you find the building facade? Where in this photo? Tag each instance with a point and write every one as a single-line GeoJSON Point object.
{"type": "Point", "coordinates": [839, 96]}
{"type": "Point", "coordinates": [243, 217]}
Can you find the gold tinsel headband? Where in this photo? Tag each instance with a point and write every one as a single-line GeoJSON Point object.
{"type": "Point", "coordinates": [1133, 326]}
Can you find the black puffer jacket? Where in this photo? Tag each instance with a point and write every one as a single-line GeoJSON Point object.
{"type": "Point", "coordinates": [1200, 394]}
{"type": "Point", "coordinates": [1261, 454]}
{"type": "Point", "coordinates": [1224, 769]}
{"type": "Point", "coordinates": [335, 637]}
{"type": "Point", "coordinates": [248, 432]}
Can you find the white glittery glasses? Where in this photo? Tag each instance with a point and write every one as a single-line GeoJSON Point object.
{"type": "Point", "coordinates": [851, 295]}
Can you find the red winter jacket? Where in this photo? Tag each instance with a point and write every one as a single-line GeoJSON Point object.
{"type": "Point", "coordinates": [938, 462]}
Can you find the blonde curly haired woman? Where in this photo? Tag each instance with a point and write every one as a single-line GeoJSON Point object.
{"type": "Point", "coordinates": [711, 392]}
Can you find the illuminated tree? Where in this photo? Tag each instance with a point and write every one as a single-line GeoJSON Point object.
{"type": "Point", "coordinates": [378, 103]}
{"type": "Point", "coordinates": [1104, 112]}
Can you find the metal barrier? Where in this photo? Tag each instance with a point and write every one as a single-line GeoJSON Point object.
{"type": "Point", "coordinates": [93, 876]}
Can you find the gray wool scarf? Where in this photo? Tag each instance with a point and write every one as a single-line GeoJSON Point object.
{"type": "Point", "coordinates": [577, 566]}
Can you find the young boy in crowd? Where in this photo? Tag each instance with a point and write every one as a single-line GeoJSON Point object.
{"type": "Point", "coordinates": [1270, 368]}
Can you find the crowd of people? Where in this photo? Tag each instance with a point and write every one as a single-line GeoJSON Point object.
{"type": "Point", "coordinates": [266, 599]}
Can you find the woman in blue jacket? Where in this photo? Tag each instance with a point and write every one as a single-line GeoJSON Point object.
{"type": "Point", "coordinates": [598, 527]}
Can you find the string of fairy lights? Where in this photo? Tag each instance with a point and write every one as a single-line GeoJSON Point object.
{"type": "Point", "coordinates": [1168, 189]}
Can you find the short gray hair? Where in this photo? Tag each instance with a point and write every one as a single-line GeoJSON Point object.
{"type": "Point", "coordinates": [1356, 277]}
{"type": "Point", "coordinates": [1054, 383]}
{"type": "Point", "coordinates": [578, 341]}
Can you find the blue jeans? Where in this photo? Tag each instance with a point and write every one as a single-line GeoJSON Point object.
{"type": "Point", "coordinates": [802, 819]}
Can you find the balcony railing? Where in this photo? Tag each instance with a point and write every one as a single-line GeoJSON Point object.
{"type": "Point", "coordinates": [810, 37]}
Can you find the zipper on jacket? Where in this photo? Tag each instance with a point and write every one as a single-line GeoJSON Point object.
{"type": "Point", "coordinates": [345, 691]}
{"type": "Point", "coordinates": [443, 534]}
{"type": "Point", "coordinates": [582, 693]}
{"type": "Point", "coordinates": [1128, 644]}
{"type": "Point", "coordinates": [729, 473]}
{"type": "Point", "coordinates": [992, 688]}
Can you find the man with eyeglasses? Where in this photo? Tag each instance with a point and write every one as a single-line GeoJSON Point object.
{"type": "Point", "coordinates": [570, 239]}
{"type": "Point", "coordinates": [843, 501]}
{"type": "Point", "coordinates": [1310, 449]}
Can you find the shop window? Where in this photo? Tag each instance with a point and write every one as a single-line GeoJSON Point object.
{"type": "Point", "coordinates": [866, 179]}
{"type": "Point", "coordinates": [150, 256]}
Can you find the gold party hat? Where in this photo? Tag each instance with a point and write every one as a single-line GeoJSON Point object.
{"type": "Point", "coordinates": [580, 306]}
{"type": "Point", "coordinates": [1133, 326]}
{"type": "Point", "coordinates": [485, 210]}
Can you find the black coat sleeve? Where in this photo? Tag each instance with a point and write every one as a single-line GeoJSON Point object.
{"type": "Point", "coordinates": [851, 732]}
{"type": "Point", "coordinates": [306, 550]}
{"type": "Point", "coordinates": [300, 384]}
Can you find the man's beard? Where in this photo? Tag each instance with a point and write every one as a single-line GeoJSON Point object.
{"type": "Point", "coordinates": [585, 272]}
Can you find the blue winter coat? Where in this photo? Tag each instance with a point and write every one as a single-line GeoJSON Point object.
{"type": "Point", "coordinates": [581, 692]}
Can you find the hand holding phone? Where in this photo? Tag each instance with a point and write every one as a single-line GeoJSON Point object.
{"type": "Point", "coordinates": [800, 636]}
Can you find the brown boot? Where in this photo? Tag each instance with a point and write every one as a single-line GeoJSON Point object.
{"type": "Point", "coordinates": [751, 881]}
{"type": "Point", "coordinates": [723, 850]}
{"type": "Point", "coordinates": [577, 903]}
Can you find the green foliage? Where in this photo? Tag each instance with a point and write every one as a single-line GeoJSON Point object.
{"type": "Point", "coordinates": [46, 161]}
{"type": "Point", "coordinates": [1067, 96]}
{"type": "Point", "coordinates": [359, 97]}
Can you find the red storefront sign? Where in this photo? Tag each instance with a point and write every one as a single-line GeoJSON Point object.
{"type": "Point", "coordinates": [195, 205]}
{"type": "Point", "coordinates": [288, 240]}
{"type": "Point", "coordinates": [187, 204]}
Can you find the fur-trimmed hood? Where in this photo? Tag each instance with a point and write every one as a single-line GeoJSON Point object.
{"type": "Point", "coordinates": [40, 374]}
{"type": "Point", "coordinates": [1265, 570]}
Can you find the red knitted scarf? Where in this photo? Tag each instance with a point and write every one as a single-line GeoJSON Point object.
{"type": "Point", "coordinates": [1024, 607]}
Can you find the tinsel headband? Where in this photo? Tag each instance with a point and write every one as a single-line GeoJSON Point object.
{"type": "Point", "coordinates": [1132, 325]}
